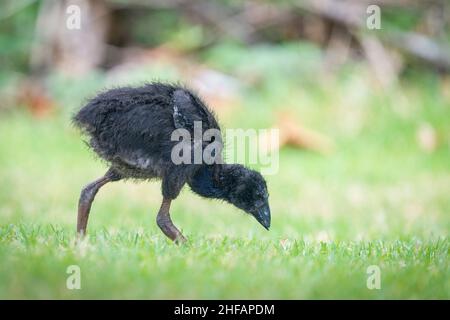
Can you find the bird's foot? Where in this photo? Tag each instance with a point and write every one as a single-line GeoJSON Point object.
{"type": "Point", "coordinates": [168, 228]}
{"type": "Point", "coordinates": [180, 239]}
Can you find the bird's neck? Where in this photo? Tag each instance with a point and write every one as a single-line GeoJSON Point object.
{"type": "Point", "coordinates": [205, 184]}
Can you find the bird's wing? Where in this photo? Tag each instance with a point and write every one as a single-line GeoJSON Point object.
{"type": "Point", "coordinates": [185, 112]}
{"type": "Point", "coordinates": [187, 109]}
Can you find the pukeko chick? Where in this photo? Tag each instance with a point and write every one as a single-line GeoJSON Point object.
{"type": "Point", "coordinates": [131, 128]}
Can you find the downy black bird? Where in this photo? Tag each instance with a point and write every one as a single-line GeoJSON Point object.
{"type": "Point", "coordinates": [131, 128]}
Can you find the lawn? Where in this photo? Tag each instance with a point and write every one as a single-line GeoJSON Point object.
{"type": "Point", "coordinates": [378, 199]}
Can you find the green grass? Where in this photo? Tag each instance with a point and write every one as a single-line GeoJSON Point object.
{"type": "Point", "coordinates": [378, 199]}
{"type": "Point", "coordinates": [130, 264]}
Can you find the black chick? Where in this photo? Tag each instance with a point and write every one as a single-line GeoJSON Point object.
{"type": "Point", "coordinates": [131, 129]}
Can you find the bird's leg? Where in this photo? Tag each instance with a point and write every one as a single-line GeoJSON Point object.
{"type": "Point", "coordinates": [87, 196]}
{"type": "Point", "coordinates": [166, 225]}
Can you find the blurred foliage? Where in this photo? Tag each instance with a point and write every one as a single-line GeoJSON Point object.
{"type": "Point", "coordinates": [152, 26]}
{"type": "Point", "coordinates": [16, 37]}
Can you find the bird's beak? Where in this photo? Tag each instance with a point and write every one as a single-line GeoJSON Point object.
{"type": "Point", "coordinates": [263, 216]}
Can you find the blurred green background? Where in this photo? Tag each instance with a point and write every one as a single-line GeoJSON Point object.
{"type": "Point", "coordinates": [364, 174]}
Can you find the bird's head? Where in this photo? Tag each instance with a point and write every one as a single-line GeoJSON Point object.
{"type": "Point", "coordinates": [236, 184]}
{"type": "Point", "coordinates": [247, 190]}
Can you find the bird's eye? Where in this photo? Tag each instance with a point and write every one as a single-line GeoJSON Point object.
{"type": "Point", "coordinates": [263, 195]}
